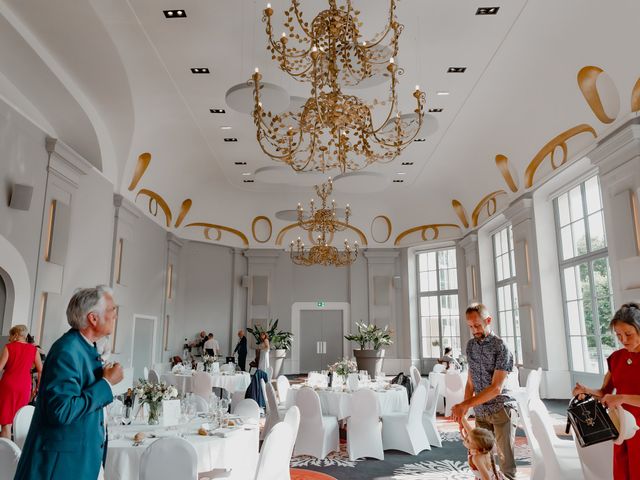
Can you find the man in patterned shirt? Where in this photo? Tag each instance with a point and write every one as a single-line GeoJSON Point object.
{"type": "Point", "coordinates": [490, 361]}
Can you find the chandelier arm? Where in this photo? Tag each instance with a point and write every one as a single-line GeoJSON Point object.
{"type": "Point", "coordinates": [392, 17]}
{"type": "Point", "coordinates": [419, 112]}
{"type": "Point", "coordinates": [392, 108]}
{"type": "Point", "coordinates": [300, 20]}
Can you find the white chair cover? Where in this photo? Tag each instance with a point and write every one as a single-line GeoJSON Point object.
{"type": "Point", "coordinates": [533, 384]}
{"type": "Point", "coordinates": [364, 428]}
{"type": "Point", "coordinates": [170, 457]}
{"type": "Point", "coordinates": [283, 388]}
{"type": "Point", "coordinates": [201, 404]}
{"type": "Point", "coordinates": [512, 383]}
{"type": "Point", "coordinates": [439, 368]}
{"type": "Point", "coordinates": [271, 411]}
{"type": "Point", "coordinates": [317, 379]}
{"type": "Point", "coordinates": [273, 463]}
{"type": "Point", "coordinates": [404, 432]}
{"type": "Point", "coordinates": [560, 463]}
{"type": "Point", "coordinates": [535, 404]}
{"type": "Point", "coordinates": [247, 408]}
{"type": "Point", "coordinates": [292, 418]}
{"type": "Point", "coordinates": [537, 462]}
{"type": "Point", "coordinates": [202, 384]}
{"type": "Point", "coordinates": [429, 422]}
{"type": "Point", "coordinates": [438, 379]}
{"type": "Point", "coordinates": [596, 461]}
{"type": "Point", "coordinates": [269, 373]}
{"type": "Point", "coordinates": [318, 435]}
{"type": "Point", "coordinates": [415, 376]}
{"type": "Point", "coordinates": [9, 457]}
{"type": "Point", "coordinates": [454, 390]}
{"type": "Point", "coordinates": [153, 377]}
{"type": "Point", "coordinates": [145, 373]}
{"type": "Point", "coordinates": [21, 424]}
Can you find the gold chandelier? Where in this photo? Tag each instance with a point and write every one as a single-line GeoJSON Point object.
{"type": "Point", "coordinates": [323, 221]}
{"type": "Point", "coordinates": [333, 130]}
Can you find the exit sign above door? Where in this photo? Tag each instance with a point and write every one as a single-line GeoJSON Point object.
{"type": "Point", "coordinates": [320, 304]}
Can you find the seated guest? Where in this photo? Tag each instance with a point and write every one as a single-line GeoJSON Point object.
{"type": "Point", "coordinates": [211, 346]}
{"type": "Point", "coordinates": [448, 360]}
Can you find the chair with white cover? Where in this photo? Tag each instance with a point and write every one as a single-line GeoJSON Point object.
{"type": "Point", "coordinates": [201, 404]}
{"type": "Point", "coordinates": [533, 383]}
{"type": "Point", "coordinates": [535, 404]}
{"type": "Point", "coordinates": [537, 462]}
{"type": "Point", "coordinates": [170, 457]}
{"type": "Point", "coordinates": [316, 379]}
{"type": "Point", "coordinates": [9, 458]}
{"type": "Point", "coordinates": [275, 456]}
{"type": "Point", "coordinates": [559, 463]}
{"type": "Point", "coordinates": [269, 373]}
{"type": "Point", "coordinates": [153, 377]}
{"type": "Point", "coordinates": [438, 379]}
{"type": "Point", "coordinates": [404, 431]}
{"type": "Point", "coordinates": [429, 422]}
{"type": "Point", "coordinates": [454, 390]}
{"type": "Point", "coordinates": [364, 428]}
{"type": "Point", "coordinates": [247, 408]}
{"type": "Point", "coordinates": [318, 434]}
{"type": "Point", "coordinates": [596, 460]}
{"type": "Point", "coordinates": [439, 368]}
{"type": "Point", "coordinates": [292, 418]}
{"type": "Point", "coordinates": [145, 373]}
{"type": "Point", "coordinates": [283, 388]}
{"type": "Point", "coordinates": [202, 384]}
{"type": "Point", "coordinates": [512, 383]}
{"type": "Point", "coordinates": [21, 424]}
{"type": "Point", "coordinates": [271, 410]}
{"type": "Point", "coordinates": [415, 376]}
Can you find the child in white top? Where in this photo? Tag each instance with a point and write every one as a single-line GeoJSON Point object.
{"type": "Point", "coordinates": [479, 442]}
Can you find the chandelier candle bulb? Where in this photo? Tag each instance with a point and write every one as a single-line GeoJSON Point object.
{"type": "Point", "coordinates": [392, 61]}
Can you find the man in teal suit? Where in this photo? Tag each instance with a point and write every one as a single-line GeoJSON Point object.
{"type": "Point", "coordinates": [67, 437]}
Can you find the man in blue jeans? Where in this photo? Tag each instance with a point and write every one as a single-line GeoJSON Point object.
{"type": "Point", "coordinates": [490, 361]}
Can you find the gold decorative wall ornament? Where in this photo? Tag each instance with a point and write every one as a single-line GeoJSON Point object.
{"type": "Point", "coordinates": [502, 162]}
{"type": "Point", "coordinates": [559, 141]}
{"type": "Point", "coordinates": [184, 209]}
{"type": "Point", "coordinates": [488, 202]}
{"type": "Point", "coordinates": [434, 228]}
{"type": "Point", "coordinates": [325, 223]}
{"type": "Point", "coordinates": [260, 219]}
{"type": "Point", "coordinates": [207, 234]}
{"type": "Point", "coordinates": [156, 200]}
{"type": "Point", "coordinates": [460, 212]}
{"type": "Point", "coordinates": [387, 223]}
{"type": "Point", "coordinates": [333, 130]}
{"type": "Point", "coordinates": [144, 159]}
{"type": "Point", "coordinates": [635, 97]}
{"type": "Point", "coordinates": [587, 78]}
{"type": "Point", "coordinates": [207, 225]}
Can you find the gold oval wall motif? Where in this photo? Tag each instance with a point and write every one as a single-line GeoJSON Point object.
{"type": "Point", "coordinates": [434, 227]}
{"type": "Point", "coordinates": [261, 218]}
{"type": "Point", "coordinates": [559, 141]}
{"type": "Point", "coordinates": [144, 159]}
{"type": "Point", "coordinates": [488, 201]}
{"type": "Point", "coordinates": [208, 237]}
{"type": "Point", "coordinates": [635, 97]}
{"type": "Point", "coordinates": [387, 223]}
{"type": "Point", "coordinates": [186, 206]}
{"type": "Point", "coordinates": [502, 162]}
{"type": "Point", "coordinates": [587, 79]}
{"type": "Point", "coordinates": [460, 212]}
{"type": "Point", "coordinates": [238, 233]}
{"type": "Point", "coordinates": [153, 196]}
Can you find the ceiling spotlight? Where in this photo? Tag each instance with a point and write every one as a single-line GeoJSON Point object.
{"type": "Point", "coordinates": [398, 181]}
{"type": "Point", "coordinates": [457, 69]}
{"type": "Point", "coordinates": [441, 93]}
{"type": "Point", "coordinates": [435, 110]}
{"type": "Point", "coordinates": [420, 140]}
{"type": "Point", "coordinates": [400, 173]}
{"type": "Point", "coordinates": [239, 163]}
{"type": "Point", "coordinates": [247, 181]}
{"type": "Point", "coordinates": [200, 70]}
{"type": "Point", "coordinates": [487, 10]}
{"type": "Point", "coordinates": [407, 163]}
{"type": "Point", "coordinates": [231, 139]}
{"type": "Point", "coordinates": [246, 174]}
{"type": "Point", "coordinates": [225, 127]}
{"type": "Point", "coordinates": [174, 13]}
{"type": "Point", "coordinates": [217, 110]}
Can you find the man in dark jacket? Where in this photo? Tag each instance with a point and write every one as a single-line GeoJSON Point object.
{"type": "Point", "coordinates": [241, 349]}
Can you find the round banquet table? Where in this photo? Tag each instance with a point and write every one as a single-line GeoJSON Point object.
{"type": "Point", "coordinates": [232, 383]}
{"type": "Point", "coordinates": [338, 403]}
{"type": "Point", "coordinates": [236, 451]}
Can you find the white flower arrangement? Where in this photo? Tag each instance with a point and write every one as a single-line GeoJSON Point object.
{"type": "Point", "coordinates": [151, 393]}
{"type": "Point", "coordinates": [344, 367]}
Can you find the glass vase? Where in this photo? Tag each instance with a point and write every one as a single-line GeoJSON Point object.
{"type": "Point", "coordinates": [155, 409]}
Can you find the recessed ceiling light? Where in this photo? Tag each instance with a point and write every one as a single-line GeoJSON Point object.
{"type": "Point", "coordinates": [420, 140]}
{"type": "Point", "coordinates": [487, 10]}
{"type": "Point", "coordinates": [174, 13]}
{"type": "Point", "coordinates": [435, 110]}
{"type": "Point", "coordinates": [457, 69]}
{"type": "Point", "coordinates": [200, 70]}
{"type": "Point", "coordinates": [442, 93]}
{"type": "Point", "coordinates": [239, 163]}
{"type": "Point", "coordinates": [398, 181]}
{"type": "Point", "coordinates": [400, 173]}
{"type": "Point", "coordinates": [231, 139]}
{"type": "Point", "coordinates": [225, 127]}
{"type": "Point", "coordinates": [217, 110]}
{"type": "Point", "coordinates": [246, 174]}
{"type": "Point", "coordinates": [247, 181]}
{"type": "Point", "coordinates": [407, 163]}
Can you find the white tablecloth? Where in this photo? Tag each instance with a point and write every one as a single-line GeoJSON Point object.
{"type": "Point", "coordinates": [232, 383]}
{"type": "Point", "coordinates": [338, 404]}
{"type": "Point", "coordinates": [238, 451]}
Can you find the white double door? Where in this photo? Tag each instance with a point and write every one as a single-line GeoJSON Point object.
{"type": "Point", "coordinates": [320, 339]}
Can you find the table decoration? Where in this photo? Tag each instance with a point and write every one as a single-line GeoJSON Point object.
{"type": "Point", "coordinates": [152, 394]}
{"type": "Point", "coordinates": [343, 368]}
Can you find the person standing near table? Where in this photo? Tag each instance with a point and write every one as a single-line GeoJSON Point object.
{"type": "Point", "coordinates": [67, 437]}
{"type": "Point", "coordinates": [241, 350]}
{"type": "Point", "coordinates": [623, 376]}
{"type": "Point", "coordinates": [490, 361]}
{"type": "Point", "coordinates": [211, 346]}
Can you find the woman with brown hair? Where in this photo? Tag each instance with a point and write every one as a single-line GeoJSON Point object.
{"type": "Point", "coordinates": [16, 360]}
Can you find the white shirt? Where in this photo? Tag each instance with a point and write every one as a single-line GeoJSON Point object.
{"type": "Point", "coordinates": [212, 344]}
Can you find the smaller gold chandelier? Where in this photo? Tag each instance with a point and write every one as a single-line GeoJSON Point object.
{"type": "Point", "coordinates": [323, 221]}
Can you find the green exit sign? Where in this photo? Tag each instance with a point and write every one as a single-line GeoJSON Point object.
{"type": "Point", "coordinates": [320, 304]}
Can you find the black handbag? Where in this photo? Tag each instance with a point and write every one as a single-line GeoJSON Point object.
{"type": "Point", "coordinates": [590, 421]}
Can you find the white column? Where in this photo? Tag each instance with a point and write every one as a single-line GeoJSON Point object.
{"type": "Point", "coordinates": [238, 310]}
{"type": "Point", "coordinates": [618, 159]}
{"type": "Point", "coordinates": [469, 287]}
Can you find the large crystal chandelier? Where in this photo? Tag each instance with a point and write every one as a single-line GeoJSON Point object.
{"type": "Point", "coordinates": [323, 221]}
{"type": "Point", "coordinates": [333, 130]}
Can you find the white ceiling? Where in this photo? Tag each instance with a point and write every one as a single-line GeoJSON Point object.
{"type": "Point", "coordinates": [127, 67]}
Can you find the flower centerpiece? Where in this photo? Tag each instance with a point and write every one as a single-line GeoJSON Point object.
{"type": "Point", "coordinates": [153, 394]}
{"type": "Point", "coordinates": [208, 361]}
{"type": "Point", "coordinates": [343, 368]}
{"type": "Point", "coordinates": [371, 339]}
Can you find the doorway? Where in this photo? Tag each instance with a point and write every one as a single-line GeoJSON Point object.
{"type": "Point", "coordinates": [144, 344]}
{"type": "Point", "coordinates": [320, 339]}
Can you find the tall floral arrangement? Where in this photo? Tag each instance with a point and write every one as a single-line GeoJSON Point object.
{"type": "Point", "coordinates": [153, 394]}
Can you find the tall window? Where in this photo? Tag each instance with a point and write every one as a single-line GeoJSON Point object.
{"type": "Point", "coordinates": [507, 291]}
{"type": "Point", "coordinates": [584, 269]}
{"type": "Point", "coordinates": [438, 302]}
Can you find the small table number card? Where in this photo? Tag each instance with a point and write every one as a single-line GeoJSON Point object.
{"type": "Point", "coordinates": [170, 413]}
